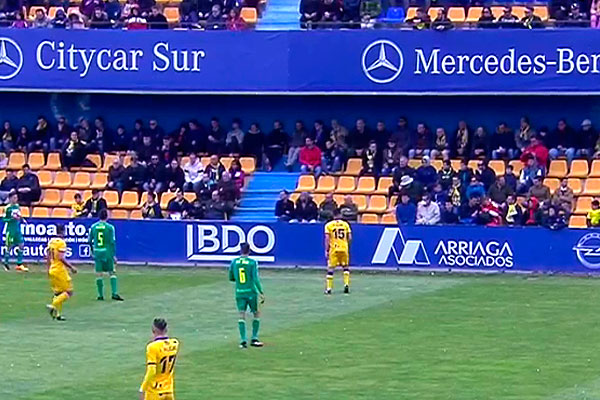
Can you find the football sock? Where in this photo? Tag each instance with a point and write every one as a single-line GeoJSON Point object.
{"type": "Point", "coordinates": [58, 301]}
{"type": "Point", "coordinates": [346, 277]}
{"type": "Point", "coordinates": [100, 286]}
{"type": "Point", "coordinates": [242, 328]}
{"type": "Point", "coordinates": [255, 328]}
{"type": "Point", "coordinates": [19, 256]}
{"type": "Point", "coordinates": [329, 280]}
{"type": "Point", "coordinates": [6, 255]}
{"type": "Point", "coordinates": [113, 284]}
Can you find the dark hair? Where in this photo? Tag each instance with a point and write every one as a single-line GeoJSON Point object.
{"type": "Point", "coordinates": [60, 229]}
{"type": "Point", "coordinates": [596, 203]}
{"type": "Point", "coordinates": [245, 248]}
{"type": "Point", "coordinates": [26, 166]}
{"type": "Point", "coordinates": [103, 214]}
{"type": "Point", "coordinates": [160, 324]}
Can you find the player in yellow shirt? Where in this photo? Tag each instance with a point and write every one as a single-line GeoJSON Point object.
{"type": "Point", "coordinates": [161, 354]}
{"type": "Point", "coordinates": [60, 281]}
{"type": "Point", "coordinates": [593, 216]}
{"type": "Point", "coordinates": [338, 237]}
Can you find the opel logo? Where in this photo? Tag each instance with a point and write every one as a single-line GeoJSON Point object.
{"type": "Point", "coordinates": [588, 250]}
{"type": "Point", "coordinates": [11, 58]}
{"type": "Point", "coordinates": [382, 61]}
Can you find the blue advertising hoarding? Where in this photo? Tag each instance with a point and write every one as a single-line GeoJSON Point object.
{"type": "Point", "coordinates": [353, 62]}
{"type": "Point", "coordinates": [279, 244]}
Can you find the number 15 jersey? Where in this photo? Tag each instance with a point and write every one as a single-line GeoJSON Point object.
{"type": "Point", "coordinates": [339, 234]}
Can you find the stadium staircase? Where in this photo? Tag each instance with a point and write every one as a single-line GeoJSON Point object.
{"type": "Point", "coordinates": [280, 15]}
{"type": "Point", "coordinates": [261, 194]}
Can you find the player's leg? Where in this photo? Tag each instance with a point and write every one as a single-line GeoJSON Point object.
{"type": "Point", "coordinates": [7, 248]}
{"type": "Point", "coordinates": [255, 322]}
{"type": "Point", "coordinates": [99, 277]}
{"type": "Point", "coordinates": [109, 266]}
{"type": "Point", "coordinates": [20, 250]}
{"type": "Point", "coordinates": [331, 264]}
{"type": "Point", "coordinates": [344, 263]}
{"type": "Point", "coordinates": [242, 304]}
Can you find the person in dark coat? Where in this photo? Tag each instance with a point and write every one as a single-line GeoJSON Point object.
{"type": "Point", "coordinates": [306, 209]}
{"type": "Point", "coordinates": [284, 208]}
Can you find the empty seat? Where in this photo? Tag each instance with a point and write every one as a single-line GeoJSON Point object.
{"type": "Point", "coordinates": [498, 166]}
{"type": "Point", "coordinates": [40, 212]}
{"type": "Point", "coordinates": [68, 197]}
{"type": "Point", "coordinates": [433, 12]}
{"type": "Point", "coordinates": [456, 14]}
{"type": "Point", "coordinates": [437, 164]}
{"type": "Point", "coordinates": [346, 184]}
{"type": "Point", "coordinates": [135, 214]}
{"type": "Point", "coordinates": [519, 11]}
{"type": "Point", "coordinates": [579, 169]}
{"type": "Point", "coordinates": [108, 160]}
{"type": "Point", "coordinates": [129, 199]}
{"type": "Point", "coordinates": [377, 204]}
{"type": "Point", "coordinates": [366, 185]}
{"type": "Point", "coordinates": [190, 197]}
{"type": "Point", "coordinates": [58, 212]}
{"type": "Point", "coordinates": [474, 14]}
{"type": "Point", "coordinates": [383, 185]}
{"type": "Point", "coordinates": [552, 183]}
{"type": "Point", "coordinates": [81, 180]}
{"type": "Point", "coordinates": [497, 11]}
{"type": "Point", "coordinates": [165, 198]}
{"type": "Point", "coordinates": [53, 162]}
{"type": "Point", "coordinates": [112, 198]}
{"type": "Point", "coordinates": [24, 212]}
{"type": "Point", "coordinates": [542, 12]}
{"type": "Point", "coordinates": [119, 214]}
{"type": "Point", "coordinates": [326, 184]}
{"type": "Point", "coordinates": [306, 183]}
{"type": "Point", "coordinates": [360, 201]}
{"type": "Point", "coordinates": [414, 163]}
{"type": "Point", "coordinates": [100, 180]}
{"type": "Point", "coordinates": [455, 164]}
{"type": "Point", "coordinates": [353, 166]}
{"type": "Point", "coordinates": [592, 187]}
{"type": "Point", "coordinates": [249, 15]}
{"type": "Point", "coordinates": [394, 15]}
{"type": "Point", "coordinates": [558, 169]}
{"type": "Point", "coordinates": [16, 160]}
{"type": "Point", "coordinates": [226, 161]}
{"type": "Point", "coordinates": [319, 198]}
{"type": "Point", "coordinates": [576, 185]}
{"type": "Point", "coordinates": [248, 164]}
{"type": "Point", "coordinates": [36, 161]}
{"type": "Point", "coordinates": [369, 219]}
{"type": "Point", "coordinates": [172, 14]}
{"type": "Point", "coordinates": [50, 198]}
{"type": "Point", "coordinates": [583, 205]}
{"type": "Point", "coordinates": [205, 161]}
{"type": "Point", "coordinates": [595, 170]}
{"type": "Point", "coordinates": [411, 13]}
{"type": "Point", "coordinates": [517, 166]}
{"type": "Point", "coordinates": [62, 180]}
{"type": "Point", "coordinates": [45, 178]}
{"type": "Point", "coordinates": [578, 222]}
{"type": "Point", "coordinates": [389, 219]}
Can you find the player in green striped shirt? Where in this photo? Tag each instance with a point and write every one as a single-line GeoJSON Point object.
{"type": "Point", "coordinates": [103, 244]}
{"type": "Point", "coordinates": [13, 238]}
{"type": "Point", "coordinates": [248, 294]}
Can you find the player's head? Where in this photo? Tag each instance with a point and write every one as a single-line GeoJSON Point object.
{"type": "Point", "coordinates": [595, 204]}
{"type": "Point", "coordinates": [103, 214]}
{"type": "Point", "coordinates": [60, 230]}
{"type": "Point", "coordinates": [159, 326]}
{"type": "Point", "coordinates": [245, 249]}
{"type": "Point", "coordinates": [13, 197]}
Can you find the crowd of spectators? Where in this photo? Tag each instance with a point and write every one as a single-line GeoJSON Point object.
{"type": "Point", "coordinates": [306, 210]}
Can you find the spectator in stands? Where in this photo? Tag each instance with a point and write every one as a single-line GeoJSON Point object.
{"type": "Point", "coordinates": [438, 194]}
{"type": "Point", "coordinates": [237, 174]}
{"type": "Point", "coordinates": [510, 178]}
{"type": "Point", "coordinates": [359, 137]}
{"type": "Point", "coordinates": [296, 143]}
{"type": "Point", "coordinates": [349, 210]}
{"type": "Point", "coordinates": [462, 139]}
{"type": "Point", "coordinates": [310, 158]}
{"type": "Point", "coordinates": [539, 190]}
{"type": "Point", "coordinates": [428, 212]}
{"type": "Point", "coordinates": [196, 210]}
{"type": "Point", "coordinates": [60, 135]}
{"type": "Point", "coordinates": [475, 189]}
{"type": "Point", "coordinates": [421, 142]}
{"type": "Point", "coordinates": [489, 214]}
{"type": "Point", "coordinates": [530, 20]}
{"type": "Point", "coordinates": [485, 174]}
{"type": "Point", "coordinates": [391, 158]}
{"type": "Point", "coordinates": [446, 174]}
{"type": "Point", "coordinates": [228, 192]}
{"type": "Point", "coordinates": [306, 209]}
{"type": "Point", "coordinates": [531, 215]}
{"type": "Point", "coordinates": [155, 131]}
{"type": "Point", "coordinates": [193, 173]}
{"type": "Point", "coordinates": [309, 13]}
{"type": "Point", "coordinates": [178, 206]}
{"type": "Point", "coordinates": [464, 174]}
{"type": "Point", "coordinates": [20, 22]}
{"type": "Point", "coordinates": [75, 22]}
{"type": "Point", "coordinates": [595, 14]}
{"type": "Point", "coordinates": [503, 143]}
{"type": "Point", "coordinates": [254, 142]}
{"type": "Point", "coordinates": [7, 138]}
{"type": "Point", "coordinates": [117, 177]}
{"type": "Point", "coordinates": [215, 168]}
{"type": "Point", "coordinates": [319, 134]}
{"type": "Point", "coordinates": [197, 138]}
{"type": "Point", "coordinates": [151, 208]}
{"type": "Point", "coordinates": [60, 20]}
{"type": "Point", "coordinates": [538, 151]}
{"type": "Point", "coordinates": [94, 204]}
{"type": "Point", "coordinates": [40, 136]}
{"type": "Point", "coordinates": [205, 189]}
{"type": "Point", "coordinates": [470, 209]}
{"type": "Point", "coordinates": [331, 13]}
{"type": "Point", "coordinates": [406, 211]}
{"type": "Point", "coordinates": [156, 19]}
{"type": "Point", "coordinates": [512, 211]}
{"type": "Point", "coordinates": [215, 20]}
{"type": "Point", "coordinates": [441, 145]}
{"type": "Point", "coordinates": [74, 152]}
{"type": "Point", "coordinates": [372, 159]}
{"type": "Point", "coordinates": [284, 208]}
{"type": "Point", "coordinates": [593, 216]}
{"type": "Point", "coordinates": [480, 144]}
{"type": "Point", "coordinates": [523, 136]}
{"type": "Point", "coordinates": [216, 137]}
{"type": "Point", "coordinates": [174, 176]}
{"type": "Point", "coordinates": [78, 207]}
{"type": "Point", "coordinates": [455, 193]}
{"type": "Point", "coordinates": [402, 136]}
{"type": "Point", "coordinates": [499, 191]}
{"type": "Point", "coordinates": [99, 19]}
{"type": "Point", "coordinates": [135, 174]}
{"type": "Point", "coordinates": [3, 161]}
{"type": "Point", "coordinates": [167, 150]}
{"type": "Point", "coordinates": [586, 139]}
{"type": "Point", "coordinates": [564, 197]}
{"type": "Point", "coordinates": [411, 187]}
{"type": "Point", "coordinates": [234, 21]}
{"type": "Point", "coordinates": [40, 20]}
{"type": "Point", "coordinates": [420, 21]}
{"type": "Point", "coordinates": [113, 10]}
{"type": "Point", "coordinates": [87, 7]}
{"type": "Point", "coordinates": [146, 149]}
{"type": "Point", "coordinates": [120, 141]}
{"type": "Point", "coordinates": [8, 185]}
{"type": "Point", "coordinates": [327, 208]}
{"type": "Point", "coordinates": [216, 208]}
{"type": "Point", "coordinates": [339, 132]}
{"type": "Point", "coordinates": [136, 21]}
{"type": "Point", "coordinates": [448, 214]}
{"type": "Point", "coordinates": [155, 175]}
{"type": "Point", "coordinates": [487, 19]}
{"type": "Point", "coordinates": [555, 219]}
{"type": "Point", "coordinates": [235, 138]}
{"type": "Point", "coordinates": [441, 21]}
{"type": "Point", "coordinates": [333, 157]}
{"type": "Point", "coordinates": [426, 174]}
{"type": "Point", "coordinates": [562, 142]}
{"type": "Point", "coordinates": [275, 144]}
{"type": "Point", "coordinates": [576, 17]}
{"type": "Point", "coordinates": [528, 173]}
{"type": "Point", "coordinates": [369, 11]}
{"type": "Point", "coordinates": [351, 13]}
{"type": "Point", "coordinates": [403, 170]}
{"type": "Point", "coordinates": [508, 19]}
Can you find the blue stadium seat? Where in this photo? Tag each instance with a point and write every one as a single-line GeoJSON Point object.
{"type": "Point", "coordinates": [394, 15]}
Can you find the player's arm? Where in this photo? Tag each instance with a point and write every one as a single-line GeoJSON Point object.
{"type": "Point", "coordinates": [327, 243]}
{"type": "Point", "coordinates": [150, 373]}
{"type": "Point", "coordinates": [113, 244]}
{"type": "Point", "coordinates": [256, 279]}
{"type": "Point", "coordinates": [48, 259]}
{"type": "Point", "coordinates": [91, 240]}
{"type": "Point", "coordinates": [349, 235]}
{"type": "Point", "coordinates": [62, 255]}
{"type": "Point", "coordinates": [231, 274]}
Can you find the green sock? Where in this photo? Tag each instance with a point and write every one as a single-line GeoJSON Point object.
{"type": "Point", "coordinates": [255, 328]}
{"type": "Point", "coordinates": [19, 256]}
{"type": "Point", "coordinates": [100, 286]}
{"type": "Point", "coordinates": [6, 255]}
{"type": "Point", "coordinates": [242, 328]}
{"type": "Point", "coordinates": [113, 284]}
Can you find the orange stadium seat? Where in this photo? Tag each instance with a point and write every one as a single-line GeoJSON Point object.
{"type": "Point", "coordinates": [127, 160]}
{"type": "Point", "coordinates": [226, 161]}
{"type": "Point", "coordinates": [36, 160]}
{"type": "Point", "coordinates": [552, 183]}
{"type": "Point", "coordinates": [50, 197]}
{"type": "Point", "coordinates": [360, 201]}
{"type": "Point", "coordinates": [595, 170]}
{"type": "Point", "coordinates": [369, 219]}
{"type": "Point", "coordinates": [108, 160]}
{"type": "Point", "coordinates": [94, 159]}
{"type": "Point", "coordinates": [119, 214]}
{"type": "Point", "coordinates": [135, 214]}
{"type": "Point", "coordinates": [68, 197]}
{"type": "Point", "coordinates": [474, 14]}
{"type": "Point", "coordinates": [456, 14]}
{"type": "Point", "coordinates": [62, 180]}
{"type": "Point", "coordinates": [185, 160]}
{"type": "Point", "coordinates": [377, 204]}
{"type": "Point", "coordinates": [249, 15]}
{"type": "Point", "coordinates": [73, 10]}
{"type": "Point", "coordinates": [33, 10]}
{"type": "Point", "coordinates": [519, 11]}
{"type": "Point", "coordinates": [433, 12]}
{"type": "Point", "coordinates": [53, 10]}
{"type": "Point", "coordinates": [318, 198]}
{"type": "Point", "coordinates": [497, 11]}
{"type": "Point", "coordinates": [414, 163]}
{"type": "Point", "coordinates": [53, 162]}
{"type": "Point", "coordinates": [326, 184]}
{"type": "Point", "coordinates": [353, 166]}
{"type": "Point", "coordinates": [58, 212]}
{"type": "Point", "coordinates": [542, 12]}
{"type": "Point", "coordinates": [517, 166]}
{"type": "Point", "coordinates": [473, 164]}
{"type": "Point", "coordinates": [144, 198]}
{"type": "Point", "coordinates": [579, 169]}
{"type": "Point", "coordinates": [592, 187]}
{"type": "Point", "coordinates": [389, 219]}
{"type": "Point", "coordinates": [190, 197]}
{"type": "Point", "coordinates": [455, 164]}
{"type": "Point", "coordinates": [437, 164]}
{"type": "Point", "coordinates": [172, 14]}
{"type": "Point", "coordinates": [112, 198]}
{"type": "Point", "coordinates": [2, 174]}
{"type": "Point", "coordinates": [40, 212]}
{"type": "Point", "coordinates": [165, 198]}
{"type": "Point", "coordinates": [25, 212]}
{"type": "Point", "coordinates": [383, 185]}
{"type": "Point", "coordinates": [45, 178]}
{"type": "Point", "coordinates": [339, 198]}
{"type": "Point", "coordinates": [366, 185]}
{"type": "Point", "coordinates": [205, 161]}
{"type": "Point", "coordinates": [16, 160]}
{"type": "Point", "coordinates": [129, 199]}
{"type": "Point", "coordinates": [100, 180]}
{"type": "Point", "coordinates": [575, 184]}
{"type": "Point", "coordinates": [411, 13]}
{"type": "Point", "coordinates": [306, 183]}
{"type": "Point", "coordinates": [248, 164]}
{"type": "Point", "coordinates": [81, 180]}
{"type": "Point", "coordinates": [578, 222]}
{"type": "Point", "coordinates": [498, 166]}
{"type": "Point", "coordinates": [583, 205]}
{"type": "Point", "coordinates": [346, 184]}
{"type": "Point", "coordinates": [558, 169]}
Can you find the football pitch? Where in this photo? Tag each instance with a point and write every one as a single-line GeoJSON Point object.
{"type": "Point", "coordinates": [394, 337]}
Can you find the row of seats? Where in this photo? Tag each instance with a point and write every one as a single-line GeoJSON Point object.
{"type": "Point", "coordinates": [372, 204]}
{"type": "Point", "coordinates": [37, 161]}
{"type": "Point", "coordinates": [58, 212]}
{"type": "Point", "coordinates": [129, 199]}
{"type": "Point", "coordinates": [458, 14]}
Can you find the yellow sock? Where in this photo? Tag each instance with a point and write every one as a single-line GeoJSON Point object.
{"type": "Point", "coordinates": [346, 277]}
{"type": "Point", "coordinates": [57, 301]}
{"type": "Point", "coordinates": [329, 281]}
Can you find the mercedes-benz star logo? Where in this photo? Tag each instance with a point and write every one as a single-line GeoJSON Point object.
{"type": "Point", "coordinates": [382, 61]}
{"type": "Point", "coordinates": [11, 58]}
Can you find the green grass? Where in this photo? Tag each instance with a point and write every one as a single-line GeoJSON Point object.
{"type": "Point", "coordinates": [394, 337]}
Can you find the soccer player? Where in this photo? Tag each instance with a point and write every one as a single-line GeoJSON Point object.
{"type": "Point", "coordinates": [338, 237]}
{"type": "Point", "coordinates": [161, 354]}
{"type": "Point", "coordinates": [14, 238]}
{"type": "Point", "coordinates": [102, 242]}
{"type": "Point", "coordinates": [248, 293]}
{"type": "Point", "coordinates": [60, 281]}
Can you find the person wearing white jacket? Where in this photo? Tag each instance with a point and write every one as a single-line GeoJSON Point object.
{"type": "Point", "coordinates": [193, 173]}
{"type": "Point", "coordinates": [428, 212]}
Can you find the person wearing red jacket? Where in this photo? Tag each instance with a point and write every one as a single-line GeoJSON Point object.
{"type": "Point", "coordinates": [537, 149]}
{"type": "Point", "coordinates": [311, 158]}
